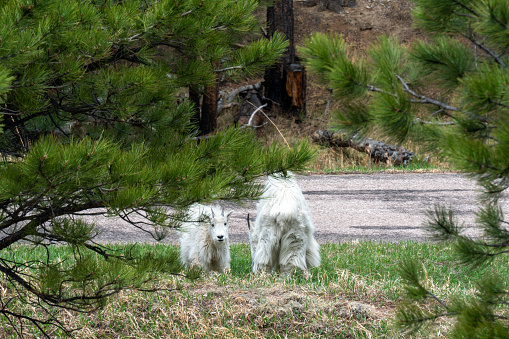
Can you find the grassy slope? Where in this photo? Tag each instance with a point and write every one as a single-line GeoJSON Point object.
{"type": "Point", "coordinates": [353, 294]}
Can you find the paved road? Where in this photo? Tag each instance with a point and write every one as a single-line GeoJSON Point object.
{"type": "Point", "coordinates": [379, 207]}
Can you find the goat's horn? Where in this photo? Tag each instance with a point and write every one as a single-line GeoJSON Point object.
{"type": "Point", "coordinates": [212, 210]}
{"type": "Point", "coordinates": [248, 223]}
{"type": "Point", "coordinates": [222, 212]}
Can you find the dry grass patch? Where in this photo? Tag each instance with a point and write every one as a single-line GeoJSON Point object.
{"type": "Point", "coordinates": [206, 309]}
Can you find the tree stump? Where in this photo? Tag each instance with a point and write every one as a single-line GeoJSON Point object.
{"type": "Point", "coordinates": [295, 80]}
{"type": "Point", "coordinates": [280, 82]}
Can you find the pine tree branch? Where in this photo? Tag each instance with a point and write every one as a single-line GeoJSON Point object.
{"type": "Point", "coordinates": [9, 272]}
{"type": "Point", "coordinates": [425, 100]}
{"type": "Point", "coordinates": [486, 49]}
{"type": "Point", "coordinates": [376, 89]}
{"type": "Point", "coordinates": [459, 3]}
{"type": "Point", "coordinates": [419, 121]}
{"type": "Point", "coordinates": [22, 233]}
{"type": "Point", "coordinates": [23, 209]}
{"type": "Point", "coordinates": [29, 48]}
{"type": "Point", "coordinates": [36, 220]}
{"type": "Point", "coordinates": [465, 15]}
{"type": "Point", "coordinates": [435, 317]}
{"type": "Point", "coordinates": [488, 254]}
{"type": "Point", "coordinates": [12, 123]}
{"type": "Point", "coordinates": [422, 98]}
{"type": "Point", "coordinates": [177, 45]}
{"type": "Point", "coordinates": [72, 302]}
{"type": "Point", "coordinates": [7, 111]}
{"type": "Point", "coordinates": [120, 53]}
{"type": "Point", "coordinates": [228, 69]}
{"type": "Point", "coordinates": [40, 324]}
{"type": "Point", "coordinates": [484, 244]}
{"type": "Point", "coordinates": [57, 126]}
{"type": "Point", "coordinates": [437, 299]}
{"type": "Point", "coordinates": [494, 18]}
{"type": "Point", "coordinates": [497, 316]}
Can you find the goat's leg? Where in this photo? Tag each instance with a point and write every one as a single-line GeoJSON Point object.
{"type": "Point", "coordinates": [268, 243]}
{"type": "Point", "coordinates": [293, 251]}
{"type": "Point", "coordinates": [312, 253]}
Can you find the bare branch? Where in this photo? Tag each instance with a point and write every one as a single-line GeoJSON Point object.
{"type": "Point", "coordinates": [437, 299]}
{"type": "Point", "coordinates": [419, 121]}
{"type": "Point", "coordinates": [250, 122]}
{"type": "Point", "coordinates": [466, 7]}
{"type": "Point", "coordinates": [425, 100]}
{"type": "Point", "coordinates": [266, 116]}
{"type": "Point", "coordinates": [487, 50]}
{"type": "Point", "coordinates": [376, 89]}
{"type": "Point", "coordinates": [228, 69]}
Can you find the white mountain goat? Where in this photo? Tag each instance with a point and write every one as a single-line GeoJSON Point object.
{"type": "Point", "coordinates": [204, 239]}
{"type": "Point", "coordinates": [282, 237]}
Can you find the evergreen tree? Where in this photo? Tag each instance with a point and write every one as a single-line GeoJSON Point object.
{"type": "Point", "coordinates": [92, 117]}
{"type": "Point", "coordinates": [450, 93]}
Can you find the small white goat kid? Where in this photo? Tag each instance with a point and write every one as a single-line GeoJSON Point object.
{"type": "Point", "coordinates": [204, 239]}
{"type": "Point", "coordinates": [282, 237]}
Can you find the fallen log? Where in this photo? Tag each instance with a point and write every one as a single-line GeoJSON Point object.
{"type": "Point", "coordinates": [378, 151]}
{"type": "Point", "coordinates": [226, 98]}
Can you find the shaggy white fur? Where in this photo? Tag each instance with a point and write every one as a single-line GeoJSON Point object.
{"type": "Point", "coordinates": [282, 237]}
{"type": "Point", "coordinates": [204, 240]}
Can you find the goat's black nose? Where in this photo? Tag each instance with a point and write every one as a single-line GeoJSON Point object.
{"type": "Point", "coordinates": [220, 237]}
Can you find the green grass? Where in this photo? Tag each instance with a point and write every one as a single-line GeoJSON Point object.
{"type": "Point", "coordinates": [353, 294]}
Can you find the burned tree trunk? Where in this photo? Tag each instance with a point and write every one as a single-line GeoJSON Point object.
{"type": "Point", "coordinates": [378, 151]}
{"type": "Point", "coordinates": [195, 98]}
{"type": "Point", "coordinates": [285, 81]}
{"type": "Point", "coordinates": [208, 120]}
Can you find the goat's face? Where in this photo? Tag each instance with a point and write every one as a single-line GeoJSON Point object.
{"type": "Point", "coordinates": [219, 225]}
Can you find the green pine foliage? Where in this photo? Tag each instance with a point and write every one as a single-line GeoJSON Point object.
{"type": "Point", "coordinates": [450, 94]}
{"type": "Point", "coordinates": [93, 120]}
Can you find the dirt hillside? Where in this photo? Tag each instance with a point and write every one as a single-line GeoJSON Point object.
{"type": "Point", "coordinates": [360, 26]}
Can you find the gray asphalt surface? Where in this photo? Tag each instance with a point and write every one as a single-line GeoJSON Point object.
{"type": "Point", "coordinates": [378, 207]}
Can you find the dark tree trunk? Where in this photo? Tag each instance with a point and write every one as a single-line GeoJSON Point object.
{"type": "Point", "coordinates": [285, 81]}
{"type": "Point", "coordinates": [194, 97]}
{"type": "Point", "coordinates": [208, 121]}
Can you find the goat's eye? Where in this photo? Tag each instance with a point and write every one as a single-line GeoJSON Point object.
{"type": "Point", "coordinates": [212, 225]}
{"type": "Point", "coordinates": [225, 224]}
